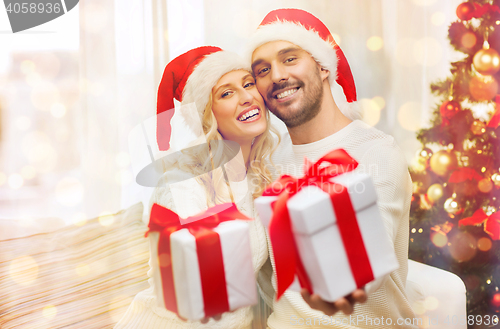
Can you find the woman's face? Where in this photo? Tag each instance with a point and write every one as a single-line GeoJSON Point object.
{"type": "Point", "coordinates": [238, 107]}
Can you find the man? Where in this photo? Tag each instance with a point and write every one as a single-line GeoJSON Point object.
{"type": "Point", "coordinates": [295, 61]}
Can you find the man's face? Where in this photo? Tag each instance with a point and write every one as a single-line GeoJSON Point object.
{"type": "Point", "coordinates": [290, 81]}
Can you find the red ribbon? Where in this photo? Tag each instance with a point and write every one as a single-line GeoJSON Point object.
{"type": "Point", "coordinates": [491, 223]}
{"type": "Point", "coordinates": [463, 174]}
{"type": "Point", "coordinates": [208, 248]}
{"type": "Point", "coordinates": [495, 119]}
{"type": "Point", "coordinates": [286, 256]}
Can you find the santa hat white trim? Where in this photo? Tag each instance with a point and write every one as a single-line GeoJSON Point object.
{"type": "Point", "coordinates": [309, 40]}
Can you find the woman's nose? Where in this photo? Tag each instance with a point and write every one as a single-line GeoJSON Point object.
{"type": "Point", "coordinates": [245, 97]}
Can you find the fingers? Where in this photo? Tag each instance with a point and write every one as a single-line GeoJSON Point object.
{"type": "Point", "coordinates": [215, 317]}
{"type": "Point", "coordinates": [204, 320]}
{"type": "Point", "coordinates": [344, 304]}
{"type": "Point", "coordinates": [315, 302]}
{"type": "Point", "coordinates": [218, 317]}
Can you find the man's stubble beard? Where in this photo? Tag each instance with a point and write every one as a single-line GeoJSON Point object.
{"type": "Point", "coordinates": [306, 109]}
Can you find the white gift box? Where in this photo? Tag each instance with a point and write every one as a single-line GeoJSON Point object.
{"type": "Point", "coordinates": [318, 238]}
{"type": "Point", "coordinates": [238, 269]}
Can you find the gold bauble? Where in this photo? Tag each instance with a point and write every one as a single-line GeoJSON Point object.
{"type": "Point", "coordinates": [485, 185]}
{"type": "Point", "coordinates": [478, 127]}
{"type": "Point", "coordinates": [483, 88]}
{"type": "Point", "coordinates": [435, 192]}
{"type": "Point", "coordinates": [451, 206]}
{"type": "Point", "coordinates": [486, 61]}
{"type": "Point", "coordinates": [441, 162]}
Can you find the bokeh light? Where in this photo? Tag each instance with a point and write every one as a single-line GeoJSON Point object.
{"type": "Point", "coordinates": [79, 219]}
{"type": "Point", "coordinates": [28, 172]}
{"type": "Point", "coordinates": [23, 270]}
{"type": "Point", "coordinates": [438, 18]}
{"type": "Point", "coordinates": [58, 110]}
{"type": "Point", "coordinates": [439, 239]}
{"type": "Point", "coordinates": [468, 40]}
{"type": "Point", "coordinates": [371, 111]}
{"type": "Point", "coordinates": [409, 116]}
{"type": "Point", "coordinates": [3, 178]}
{"type": "Point", "coordinates": [22, 123]}
{"type": "Point", "coordinates": [69, 191]}
{"type": "Point", "coordinates": [49, 312]}
{"type": "Point", "coordinates": [427, 51]}
{"type": "Point", "coordinates": [484, 244]}
{"type": "Point", "coordinates": [15, 181]}
{"type": "Point", "coordinates": [124, 177]}
{"type": "Point", "coordinates": [374, 43]}
{"type": "Point", "coordinates": [463, 246]}
{"type": "Point", "coordinates": [122, 159]}
{"type": "Point", "coordinates": [337, 38]}
{"type": "Point", "coordinates": [431, 303]}
{"type": "Point", "coordinates": [380, 101]}
{"type": "Point", "coordinates": [27, 67]}
{"type": "Point", "coordinates": [106, 219]}
{"type": "Point", "coordinates": [43, 95]}
{"type": "Point", "coordinates": [424, 2]}
{"type": "Point", "coordinates": [37, 148]}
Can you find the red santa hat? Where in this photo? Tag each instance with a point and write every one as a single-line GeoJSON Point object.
{"type": "Point", "coordinates": [308, 32]}
{"type": "Point", "coordinates": [189, 78]}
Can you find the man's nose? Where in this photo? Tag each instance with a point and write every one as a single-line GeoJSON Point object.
{"type": "Point", "coordinates": [279, 74]}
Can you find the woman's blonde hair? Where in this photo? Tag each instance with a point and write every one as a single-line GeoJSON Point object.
{"type": "Point", "coordinates": [203, 164]}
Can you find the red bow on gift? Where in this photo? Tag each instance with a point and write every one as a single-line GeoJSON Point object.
{"type": "Point", "coordinates": [286, 257]}
{"type": "Point", "coordinates": [208, 248]}
{"type": "Point", "coordinates": [491, 223]}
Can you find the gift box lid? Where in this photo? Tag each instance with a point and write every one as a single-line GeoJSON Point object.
{"type": "Point", "coordinates": [311, 208]}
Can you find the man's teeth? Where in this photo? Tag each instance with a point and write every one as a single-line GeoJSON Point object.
{"type": "Point", "coordinates": [249, 114]}
{"type": "Point", "coordinates": [286, 93]}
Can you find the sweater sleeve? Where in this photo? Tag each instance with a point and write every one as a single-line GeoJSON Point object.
{"type": "Point", "coordinates": [387, 166]}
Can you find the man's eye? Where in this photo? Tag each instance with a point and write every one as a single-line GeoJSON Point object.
{"type": "Point", "coordinates": [289, 60]}
{"type": "Point", "coordinates": [263, 71]}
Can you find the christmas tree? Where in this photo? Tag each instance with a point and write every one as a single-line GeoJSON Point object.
{"type": "Point", "coordinates": [455, 213]}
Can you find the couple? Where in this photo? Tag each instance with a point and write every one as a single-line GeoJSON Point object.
{"type": "Point", "coordinates": [294, 62]}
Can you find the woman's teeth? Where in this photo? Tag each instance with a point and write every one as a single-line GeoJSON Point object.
{"type": "Point", "coordinates": [286, 93]}
{"type": "Point", "coordinates": [249, 114]}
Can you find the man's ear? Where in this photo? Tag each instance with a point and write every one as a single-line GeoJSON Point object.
{"type": "Point", "coordinates": [324, 73]}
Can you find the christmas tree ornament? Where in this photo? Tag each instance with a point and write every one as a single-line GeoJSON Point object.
{"type": "Point", "coordinates": [435, 192]}
{"type": "Point", "coordinates": [495, 300]}
{"type": "Point", "coordinates": [485, 185]}
{"type": "Point", "coordinates": [465, 11]}
{"type": "Point", "coordinates": [449, 108]}
{"type": "Point", "coordinates": [452, 207]}
{"type": "Point", "coordinates": [425, 153]}
{"type": "Point", "coordinates": [442, 161]}
{"type": "Point", "coordinates": [483, 88]}
{"type": "Point", "coordinates": [486, 61]}
{"type": "Point", "coordinates": [478, 127]}
{"type": "Point", "coordinates": [496, 179]}
{"type": "Point", "coordinates": [462, 246]}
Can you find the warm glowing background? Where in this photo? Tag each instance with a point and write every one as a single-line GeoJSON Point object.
{"type": "Point", "coordinates": [72, 89]}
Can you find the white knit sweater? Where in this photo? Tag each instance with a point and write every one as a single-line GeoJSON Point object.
{"type": "Point", "coordinates": [188, 198]}
{"type": "Point", "coordinates": [378, 155]}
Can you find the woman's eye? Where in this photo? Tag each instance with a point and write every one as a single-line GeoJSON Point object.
{"type": "Point", "coordinates": [225, 94]}
{"type": "Point", "coordinates": [250, 84]}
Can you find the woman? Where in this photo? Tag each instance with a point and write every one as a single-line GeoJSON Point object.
{"type": "Point", "coordinates": [221, 86]}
